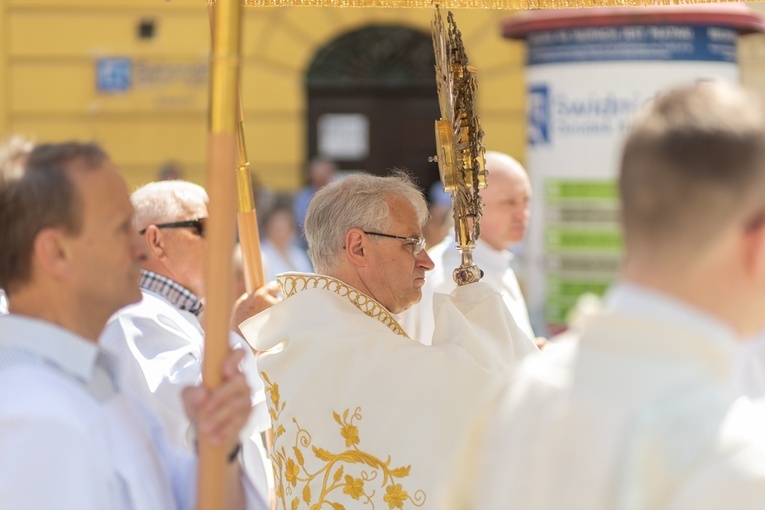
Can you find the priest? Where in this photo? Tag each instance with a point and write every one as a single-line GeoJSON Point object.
{"type": "Point", "coordinates": [362, 414]}
{"type": "Point", "coordinates": [638, 411]}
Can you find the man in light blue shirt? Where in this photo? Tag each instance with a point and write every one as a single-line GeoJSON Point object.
{"type": "Point", "coordinates": [320, 173]}
{"type": "Point", "coordinates": [68, 437]}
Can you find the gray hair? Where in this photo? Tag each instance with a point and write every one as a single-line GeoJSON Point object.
{"type": "Point", "coordinates": [357, 201]}
{"type": "Point", "coordinates": [14, 151]}
{"type": "Point", "coordinates": [164, 201]}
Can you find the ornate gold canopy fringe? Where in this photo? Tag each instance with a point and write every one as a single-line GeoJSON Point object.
{"type": "Point", "coordinates": [475, 4]}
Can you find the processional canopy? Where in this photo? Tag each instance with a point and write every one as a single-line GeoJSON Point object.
{"type": "Point", "coordinates": [475, 4]}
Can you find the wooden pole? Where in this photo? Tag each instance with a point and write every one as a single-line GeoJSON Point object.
{"type": "Point", "coordinates": [246, 216]}
{"type": "Point", "coordinates": [222, 157]}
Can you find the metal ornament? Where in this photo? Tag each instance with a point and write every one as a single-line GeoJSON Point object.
{"type": "Point", "coordinates": [459, 141]}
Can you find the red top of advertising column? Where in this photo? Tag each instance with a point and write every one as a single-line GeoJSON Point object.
{"type": "Point", "coordinates": [737, 16]}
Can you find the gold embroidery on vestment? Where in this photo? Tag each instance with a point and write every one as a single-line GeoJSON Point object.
{"type": "Point", "coordinates": [292, 283]}
{"type": "Point", "coordinates": [315, 483]}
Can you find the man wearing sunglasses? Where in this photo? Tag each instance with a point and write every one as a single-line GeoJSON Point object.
{"type": "Point", "coordinates": [349, 393]}
{"type": "Point", "coordinates": [159, 340]}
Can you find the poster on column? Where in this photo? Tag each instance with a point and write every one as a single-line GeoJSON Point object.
{"type": "Point", "coordinates": [584, 87]}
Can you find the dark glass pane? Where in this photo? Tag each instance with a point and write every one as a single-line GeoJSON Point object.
{"type": "Point", "coordinates": [375, 56]}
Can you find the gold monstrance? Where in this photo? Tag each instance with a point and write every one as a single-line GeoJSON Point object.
{"type": "Point", "coordinates": [459, 141]}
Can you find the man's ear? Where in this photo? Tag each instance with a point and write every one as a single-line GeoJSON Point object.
{"type": "Point", "coordinates": [355, 247]}
{"type": "Point", "coordinates": [52, 253]}
{"type": "Point", "coordinates": [754, 250]}
{"type": "Point", "coordinates": [155, 241]}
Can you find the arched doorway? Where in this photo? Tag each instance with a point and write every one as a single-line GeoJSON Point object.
{"type": "Point", "coordinates": [372, 101]}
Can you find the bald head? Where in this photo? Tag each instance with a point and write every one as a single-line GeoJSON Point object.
{"type": "Point", "coordinates": [506, 201]}
{"type": "Point", "coordinates": [693, 166]}
{"type": "Point", "coordinates": [504, 166]}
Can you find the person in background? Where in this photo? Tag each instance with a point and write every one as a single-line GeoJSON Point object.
{"type": "Point", "coordinates": [171, 171]}
{"type": "Point", "coordinates": [321, 171]}
{"type": "Point", "coordinates": [69, 437]}
{"type": "Point", "coordinates": [281, 252]}
{"type": "Point", "coordinates": [504, 222]}
{"type": "Point", "coordinates": [440, 215]}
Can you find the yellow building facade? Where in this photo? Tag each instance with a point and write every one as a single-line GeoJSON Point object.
{"type": "Point", "coordinates": [60, 78]}
{"type": "Point", "coordinates": [63, 62]}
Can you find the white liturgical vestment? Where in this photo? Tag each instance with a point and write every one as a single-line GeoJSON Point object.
{"type": "Point", "coordinates": [418, 320]}
{"type": "Point", "coordinates": [362, 414]}
{"type": "Point", "coordinates": [637, 412]}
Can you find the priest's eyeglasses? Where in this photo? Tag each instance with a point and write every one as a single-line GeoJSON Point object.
{"type": "Point", "coordinates": [416, 244]}
{"type": "Point", "coordinates": [199, 225]}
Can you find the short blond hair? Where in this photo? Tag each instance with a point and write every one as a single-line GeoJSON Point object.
{"type": "Point", "coordinates": [693, 163]}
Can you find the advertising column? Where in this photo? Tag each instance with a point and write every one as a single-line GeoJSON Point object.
{"type": "Point", "coordinates": [587, 75]}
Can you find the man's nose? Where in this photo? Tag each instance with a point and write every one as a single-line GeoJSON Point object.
{"type": "Point", "coordinates": [424, 261]}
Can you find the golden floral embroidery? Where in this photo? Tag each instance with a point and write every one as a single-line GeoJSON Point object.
{"type": "Point", "coordinates": [291, 472]}
{"type": "Point", "coordinates": [395, 497]}
{"type": "Point", "coordinates": [275, 406]}
{"type": "Point", "coordinates": [274, 391]}
{"type": "Point", "coordinates": [351, 434]}
{"type": "Point", "coordinates": [354, 487]}
{"type": "Point", "coordinates": [355, 472]}
{"type": "Point", "coordinates": [292, 283]}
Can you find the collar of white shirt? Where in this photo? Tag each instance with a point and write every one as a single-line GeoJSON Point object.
{"type": "Point", "coordinates": [68, 353]}
{"type": "Point", "coordinates": [178, 295]}
{"type": "Point", "coordinates": [492, 260]}
{"type": "Point", "coordinates": [641, 301]}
